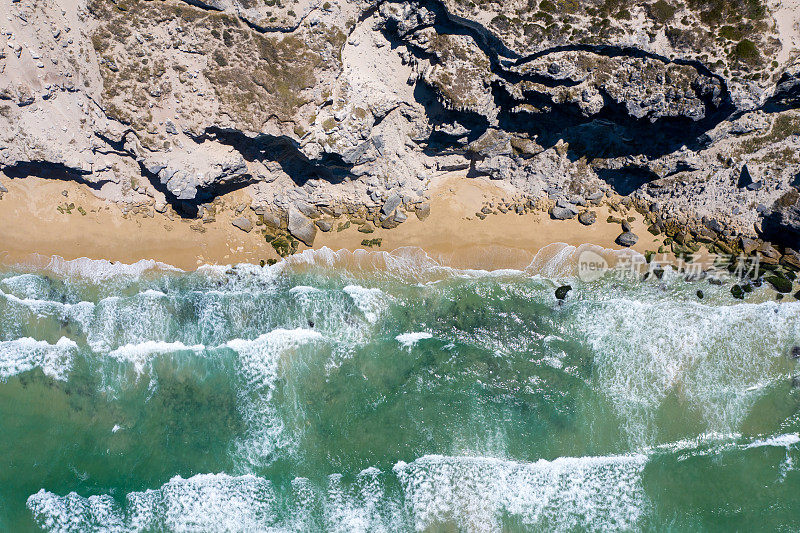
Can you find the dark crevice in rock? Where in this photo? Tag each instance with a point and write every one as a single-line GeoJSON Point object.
{"type": "Point", "coordinates": [626, 180]}
{"type": "Point", "coordinates": [449, 23]}
{"type": "Point", "coordinates": [184, 208]}
{"type": "Point", "coordinates": [191, 208]}
{"type": "Point", "coordinates": [613, 132]}
{"type": "Point", "coordinates": [284, 151]}
{"type": "Point", "coordinates": [50, 170]}
{"type": "Point", "coordinates": [786, 97]}
{"type": "Point", "coordinates": [440, 141]}
{"type": "Point", "coordinates": [202, 5]}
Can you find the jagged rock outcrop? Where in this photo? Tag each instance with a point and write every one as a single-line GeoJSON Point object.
{"type": "Point", "coordinates": [355, 102]}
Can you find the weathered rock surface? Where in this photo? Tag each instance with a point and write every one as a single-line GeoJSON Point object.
{"type": "Point", "coordinates": [302, 227]}
{"type": "Point", "coordinates": [562, 213]}
{"type": "Point", "coordinates": [587, 218]}
{"type": "Point", "coordinates": [243, 223]}
{"type": "Point", "coordinates": [627, 239]}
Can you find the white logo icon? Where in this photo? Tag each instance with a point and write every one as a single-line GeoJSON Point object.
{"type": "Point", "coordinates": [591, 266]}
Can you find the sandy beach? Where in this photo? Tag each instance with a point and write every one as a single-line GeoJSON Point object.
{"type": "Point", "coordinates": [453, 235]}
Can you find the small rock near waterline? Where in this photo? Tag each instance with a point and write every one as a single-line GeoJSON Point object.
{"type": "Point", "coordinates": [587, 218]}
{"type": "Point", "coordinates": [562, 291]}
{"type": "Point", "coordinates": [779, 283]}
{"type": "Point", "coordinates": [700, 294]}
{"type": "Point", "coordinates": [737, 292]}
{"type": "Point", "coordinates": [243, 223]}
{"type": "Point", "coordinates": [627, 239]}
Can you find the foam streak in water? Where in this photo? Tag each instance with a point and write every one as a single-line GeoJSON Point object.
{"type": "Point", "coordinates": [205, 502]}
{"type": "Point", "coordinates": [566, 494]}
{"type": "Point", "coordinates": [22, 355]}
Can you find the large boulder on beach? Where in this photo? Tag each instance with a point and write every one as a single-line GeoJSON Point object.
{"type": "Point", "coordinates": [302, 227]}
{"type": "Point", "coordinates": [627, 239]}
{"type": "Point", "coordinates": [391, 204]}
{"type": "Point", "coordinates": [562, 213]}
{"type": "Point", "coordinates": [243, 223]}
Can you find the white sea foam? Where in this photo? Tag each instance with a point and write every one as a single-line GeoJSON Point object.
{"type": "Point", "coordinates": [205, 502]}
{"type": "Point", "coordinates": [362, 507]}
{"type": "Point", "coordinates": [136, 319]}
{"type": "Point", "coordinates": [371, 302]}
{"type": "Point", "coordinates": [566, 494]}
{"type": "Point", "coordinates": [153, 293]}
{"type": "Point", "coordinates": [101, 269]}
{"type": "Point", "coordinates": [410, 339]}
{"type": "Point", "coordinates": [560, 260]}
{"type": "Point", "coordinates": [73, 513]}
{"type": "Point", "coordinates": [260, 360]}
{"type": "Point", "coordinates": [22, 355]}
{"type": "Point", "coordinates": [140, 354]}
{"type": "Point", "coordinates": [715, 358]}
{"type": "Point", "coordinates": [780, 441]}
{"type": "Point", "coordinates": [19, 308]}
{"type": "Point", "coordinates": [26, 285]}
{"type": "Point", "coordinates": [303, 289]}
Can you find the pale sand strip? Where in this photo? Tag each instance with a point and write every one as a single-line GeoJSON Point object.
{"type": "Point", "coordinates": [31, 224]}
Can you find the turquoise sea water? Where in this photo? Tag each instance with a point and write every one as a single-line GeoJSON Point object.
{"type": "Point", "coordinates": [368, 392]}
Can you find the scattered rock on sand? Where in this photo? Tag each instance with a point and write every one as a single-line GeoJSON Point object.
{"type": "Point", "coordinates": [324, 225]}
{"type": "Point", "coordinates": [243, 223]}
{"type": "Point", "coordinates": [302, 227]}
{"type": "Point", "coordinates": [562, 213]}
{"type": "Point", "coordinates": [595, 198]}
{"type": "Point", "coordinates": [366, 228]}
{"type": "Point", "coordinates": [423, 211]}
{"type": "Point", "coordinates": [587, 218]}
{"type": "Point", "coordinates": [627, 239]}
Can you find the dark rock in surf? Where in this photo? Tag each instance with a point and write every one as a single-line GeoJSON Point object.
{"type": "Point", "coordinates": [562, 291]}
{"type": "Point", "coordinates": [779, 283]}
{"type": "Point", "coordinates": [737, 292]}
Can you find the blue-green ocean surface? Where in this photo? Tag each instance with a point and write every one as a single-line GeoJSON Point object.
{"type": "Point", "coordinates": [377, 392]}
